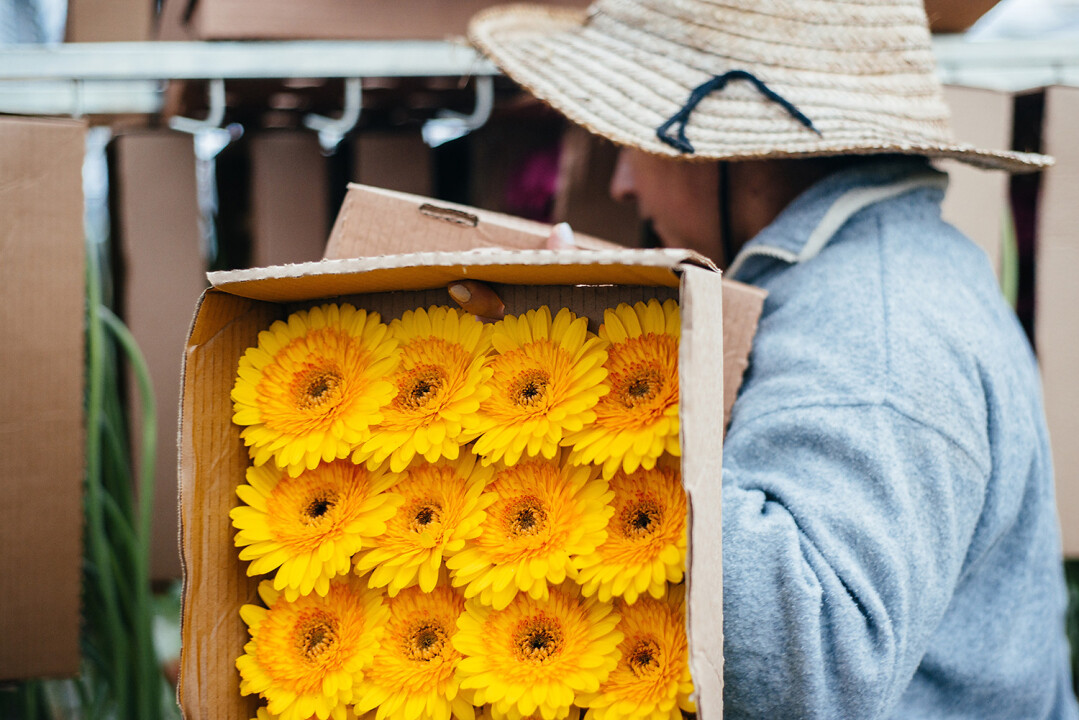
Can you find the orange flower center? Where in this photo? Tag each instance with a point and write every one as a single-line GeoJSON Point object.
{"type": "Point", "coordinates": [424, 513]}
{"type": "Point", "coordinates": [538, 639]}
{"type": "Point", "coordinates": [526, 516]}
{"type": "Point", "coordinates": [529, 387]}
{"type": "Point", "coordinates": [638, 385]}
{"type": "Point", "coordinates": [640, 519]}
{"type": "Point", "coordinates": [425, 640]}
{"type": "Point", "coordinates": [419, 387]}
{"type": "Point", "coordinates": [644, 658]}
{"type": "Point", "coordinates": [318, 507]}
{"type": "Point", "coordinates": [317, 634]}
{"type": "Point", "coordinates": [317, 388]}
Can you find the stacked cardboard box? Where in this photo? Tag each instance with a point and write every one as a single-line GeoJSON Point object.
{"type": "Point", "coordinates": [42, 311]}
{"type": "Point", "coordinates": [1057, 302]}
{"type": "Point", "coordinates": [156, 226]}
{"type": "Point", "coordinates": [322, 19]}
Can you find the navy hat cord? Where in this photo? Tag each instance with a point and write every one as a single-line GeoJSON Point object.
{"type": "Point", "coordinates": [680, 118]}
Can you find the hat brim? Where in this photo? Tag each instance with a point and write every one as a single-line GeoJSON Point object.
{"type": "Point", "coordinates": [624, 91]}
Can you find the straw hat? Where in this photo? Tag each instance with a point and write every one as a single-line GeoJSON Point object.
{"type": "Point", "coordinates": [738, 79]}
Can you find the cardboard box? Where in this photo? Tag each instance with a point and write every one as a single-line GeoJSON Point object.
{"type": "Point", "coordinates": [1057, 302]}
{"type": "Point", "coordinates": [394, 160]}
{"type": "Point", "coordinates": [290, 212]}
{"type": "Point", "coordinates": [156, 226]}
{"type": "Point", "coordinates": [42, 311]}
{"type": "Point", "coordinates": [583, 198]}
{"type": "Point", "coordinates": [241, 303]}
{"type": "Point", "coordinates": [323, 19]}
{"type": "Point", "coordinates": [955, 16]}
{"type": "Point", "coordinates": [110, 20]}
{"type": "Point", "coordinates": [977, 201]}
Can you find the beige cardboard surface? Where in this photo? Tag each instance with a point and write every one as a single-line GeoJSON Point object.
{"type": "Point", "coordinates": [214, 459]}
{"type": "Point", "coordinates": [332, 19]}
{"type": "Point", "coordinates": [394, 160]}
{"type": "Point", "coordinates": [42, 300]}
{"type": "Point", "coordinates": [156, 218]}
{"type": "Point", "coordinates": [374, 222]}
{"type": "Point", "coordinates": [977, 201]}
{"type": "Point", "coordinates": [1056, 322]}
{"type": "Point", "coordinates": [583, 199]}
{"type": "Point", "coordinates": [289, 198]}
{"type": "Point", "coordinates": [109, 20]}
{"type": "Point", "coordinates": [702, 466]}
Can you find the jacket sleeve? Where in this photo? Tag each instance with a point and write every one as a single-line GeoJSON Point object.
{"type": "Point", "coordinates": [845, 530]}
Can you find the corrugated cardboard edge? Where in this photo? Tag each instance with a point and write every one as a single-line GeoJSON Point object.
{"type": "Point", "coordinates": [428, 270]}
{"type": "Point", "coordinates": [702, 466]}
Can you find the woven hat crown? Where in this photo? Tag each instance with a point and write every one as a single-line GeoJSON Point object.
{"type": "Point", "coordinates": [862, 72]}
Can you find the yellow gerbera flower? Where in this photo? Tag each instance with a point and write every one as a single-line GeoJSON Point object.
{"type": "Point", "coordinates": [414, 674]}
{"type": "Point", "coordinates": [637, 421]}
{"type": "Point", "coordinates": [308, 657]}
{"type": "Point", "coordinates": [537, 656]}
{"type": "Point", "coordinates": [264, 714]}
{"type": "Point", "coordinates": [547, 377]}
{"type": "Point", "coordinates": [646, 538]}
{"type": "Point", "coordinates": [489, 712]}
{"type": "Point", "coordinates": [309, 527]}
{"type": "Point", "coordinates": [441, 381]}
{"type": "Point", "coordinates": [542, 515]}
{"type": "Point", "coordinates": [443, 507]}
{"type": "Point", "coordinates": [652, 678]}
{"type": "Point", "coordinates": [314, 385]}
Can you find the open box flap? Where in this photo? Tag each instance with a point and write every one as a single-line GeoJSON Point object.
{"type": "Point", "coordinates": [428, 270]}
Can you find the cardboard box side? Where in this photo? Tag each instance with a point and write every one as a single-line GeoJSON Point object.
{"type": "Point", "coordinates": [702, 465]}
{"type": "Point", "coordinates": [109, 21]}
{"type": "Point", "coordinates": [157, 222]}
{"type": "Point", "coordinates": [334, 19]}
{"type": "Point", "coordinates": [742, 307]}
{"type": "Point", "coordinates": [289, 198]}
{"type": "Point", "coordinates": [375, 221]}
{"type": "Point", "coordinates": [583, 197]}
{"type": "Point", "coordinates": [213, 461]}
{"type": "Point", "coordinates": [1057, 299]}
{"type": "Point", "coordinates": [977, 201]}
{"type": "Point", "coordinates": [42, 436]}
{"type": "Point", "coordinates": [395, 160]}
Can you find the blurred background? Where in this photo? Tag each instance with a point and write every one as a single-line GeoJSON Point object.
{"type": "Point", "coordinates": [143, 143]}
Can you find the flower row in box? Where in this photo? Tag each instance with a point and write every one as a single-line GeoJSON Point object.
{"type": "Point", "coordinates": [334, 382]}
{"type": "Point", "coordinates": [498, 571]}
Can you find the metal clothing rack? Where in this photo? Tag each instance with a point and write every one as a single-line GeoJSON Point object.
{"type": "Point", "coordinates": [106, 78]}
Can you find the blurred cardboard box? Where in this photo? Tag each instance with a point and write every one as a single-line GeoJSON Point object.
{"type": "Point", "coordinates": [242, 303]}
{"type": "Point", "coordinates": [110, 20]}
{"type": "Point", "coordinates": [290, 213]}
{"type": "Point", "coordinates": [977, 201]}
{"type": "Point", "coordinates": [163, 270]}
{"type": "Point", "coordinates": [1057, 301]}
{"type": "Point", "coordinates": [395, 160]}
{"type": "Point", "coordinates": [583, 198]}
{"type": "Point", "coordinates": [322, 19]}
{"type": "Point", "coordinates": [954, 16]}
{"type": "Point", "coordinates": [42, 439]}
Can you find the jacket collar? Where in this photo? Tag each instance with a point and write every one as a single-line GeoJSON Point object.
{"type": "Point", "coordinates": [806, 226]}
